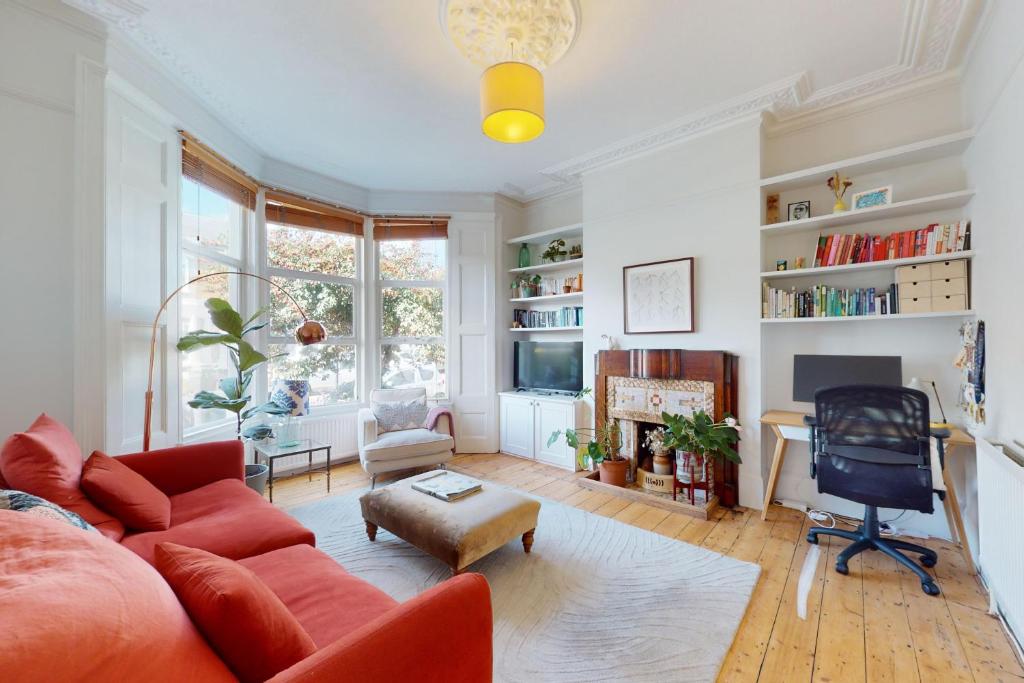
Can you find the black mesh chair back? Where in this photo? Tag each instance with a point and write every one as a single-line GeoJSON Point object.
{"type": "Point", "coordinates": [886, 417]}
{"type": "Point", "coordinates": [872, 446]}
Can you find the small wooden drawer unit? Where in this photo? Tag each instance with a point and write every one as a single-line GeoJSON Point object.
{"type": "Point", "coordinates": [927, 287]}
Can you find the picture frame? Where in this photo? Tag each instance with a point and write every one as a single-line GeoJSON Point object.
{"type": "Point", "coordinates": [657, 297]}
{"type": "Point", "coordinates": [797, 211]}
{"type": "Point", "coordinates": [880, 196]}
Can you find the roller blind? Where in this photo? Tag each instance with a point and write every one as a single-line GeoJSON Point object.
{"type": "Point", "coordinates": [289, 209]}
{"type": "Point", "coordinates": [399, 228]}
{"type": "Point", "coordinates": [207, 168]}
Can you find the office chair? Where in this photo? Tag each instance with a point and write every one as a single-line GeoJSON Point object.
{"type": "Point", "coordinates": [872, 445]}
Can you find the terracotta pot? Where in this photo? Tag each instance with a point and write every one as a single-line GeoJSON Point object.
{"type": "Point", "coordinates": [567, 289]}
{"type": "Point", "coordinates": [613, 472]}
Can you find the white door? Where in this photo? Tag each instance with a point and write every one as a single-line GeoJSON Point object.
{"type": "Point", "coordinates": [471, 362]}
{"type": "Point", "coordinates": [517, 435]}
{"type": "Point", "coordinates": [550, 417]}
{"type": "Point", "coordinates": [142, 171]}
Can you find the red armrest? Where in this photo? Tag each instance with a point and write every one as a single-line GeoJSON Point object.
{"type": "Point", "coordinates": [185, 468]}
{"type": "Point", "coordinates": [443, 635]}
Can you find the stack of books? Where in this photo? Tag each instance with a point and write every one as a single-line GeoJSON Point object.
{"type": "Point", "coordinates": [931, 240]}
{"type": "Point", "coordinates": [821, 301]}
{"type": "Point", "coordinates": [569, 316]}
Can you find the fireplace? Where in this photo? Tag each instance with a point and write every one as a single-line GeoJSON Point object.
{"type": "Point", "coordinates": [635, 386]}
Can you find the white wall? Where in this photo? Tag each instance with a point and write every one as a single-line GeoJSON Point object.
{"type": "Point", "coordinates": [994, 99]}
{"type": "Point", "coordinates": [41, 48]}
{"type": "Point", "coordinates": [695, 199]}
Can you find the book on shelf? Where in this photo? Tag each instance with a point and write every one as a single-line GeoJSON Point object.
{"type": "Point", "coordinates": [822, 301]}
{"type": "Point", "coordinates": [567, 316]}
{"type": "Point", "coordinates": [931, 240]}
{"type": "Point", "coordinates": [447, 486]}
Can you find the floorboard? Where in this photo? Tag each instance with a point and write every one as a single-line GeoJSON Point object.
{"type": "Point", "coordinates": [874, 625]}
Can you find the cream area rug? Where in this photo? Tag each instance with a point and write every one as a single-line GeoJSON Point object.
{"type": "Point", "coordinates": [595, 600]}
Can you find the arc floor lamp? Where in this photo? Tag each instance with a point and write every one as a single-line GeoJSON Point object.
{"type": "Point", "coordinates": [308, 333]}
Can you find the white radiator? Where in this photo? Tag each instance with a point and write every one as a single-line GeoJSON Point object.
{"type": "Point", "coordinates": [1001, 532]}
{"type": "Point", "coordinates": [337, 431]}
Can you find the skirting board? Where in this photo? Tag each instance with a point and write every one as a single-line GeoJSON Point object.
{"type": "Point", "coordinates": [593, 482]}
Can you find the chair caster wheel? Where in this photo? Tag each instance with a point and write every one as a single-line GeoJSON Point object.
{"type": "Point", "coordinates": [928, 561]}
{"type": "Point", "coordinates": [812, 538]}
{"type": "Point", "coordinates": [842, 569]}
{"type": "Point", "coordinates": [930, 587]}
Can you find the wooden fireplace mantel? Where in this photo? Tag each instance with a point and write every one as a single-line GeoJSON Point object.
{"type": "Point", "coordinates": [718, 367]}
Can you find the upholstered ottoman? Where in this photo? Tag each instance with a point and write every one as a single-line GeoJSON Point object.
{"type": "Point", "coordinates": [459, 532]}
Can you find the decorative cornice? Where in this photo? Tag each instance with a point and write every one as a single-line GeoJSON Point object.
{"type": "Point", "coordinates": [932, 33]}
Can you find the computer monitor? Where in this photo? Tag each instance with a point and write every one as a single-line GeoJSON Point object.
{"type": "Point", "coordinates": [811, 373]}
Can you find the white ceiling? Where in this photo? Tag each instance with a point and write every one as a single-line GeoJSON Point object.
{"type": "Point", "coordinates": [371, 92]}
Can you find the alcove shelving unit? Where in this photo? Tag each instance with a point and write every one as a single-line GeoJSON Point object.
{"type": "Point", "coordinates": [927, 187]}
{"type": "Point", "coordinates": [537, 242]}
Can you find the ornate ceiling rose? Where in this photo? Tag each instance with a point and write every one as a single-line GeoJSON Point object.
{"type": "Point", "coordinates": [486, 32]}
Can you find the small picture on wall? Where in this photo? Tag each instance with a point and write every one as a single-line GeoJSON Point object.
{"type": "Point", "coordinates": [658, 297]}
{"type": "Point", "coordinates": [878, 197]}
{"type": "Point", "coordinates": [799, 211]}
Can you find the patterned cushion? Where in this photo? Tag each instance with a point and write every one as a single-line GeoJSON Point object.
{"type": "Point", "coordinates": [393, 416]}
{"type": "Point", "coordinates": [19, 501]}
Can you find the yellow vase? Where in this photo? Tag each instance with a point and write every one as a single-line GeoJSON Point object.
{"type": "Point", "coordinates": [838, 207]}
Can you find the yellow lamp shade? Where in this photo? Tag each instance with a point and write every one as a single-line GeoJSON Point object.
{"type": "Point", "coordinates": [512, 102]}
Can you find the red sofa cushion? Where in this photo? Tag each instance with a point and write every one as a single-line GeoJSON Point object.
{"type": "Point", "coordinates": [77, 606]}
{"type": "Point", "coordinates": [226, 518]}
{"type": "Point", "coordinates": [45, 461]}
{"type": "Point", "coordinates": [244, 621]}
{"type": "Point", "coordinates": [328, 601]}
{"type": "Point", "coordinates": [124, 493]}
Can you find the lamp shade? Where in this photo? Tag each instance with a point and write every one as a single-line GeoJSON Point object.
{"type": "Point", "coordinates": [512, 102]}
{"type": "Point", "coordinates": [292, 394]}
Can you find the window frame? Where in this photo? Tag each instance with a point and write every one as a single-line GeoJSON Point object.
{"type": "Point", "coordinates": [380, 340]}
{"type": "Point", "coordinates": [353, 340]}
{"type": "Point", "coordinates": [238, 264]}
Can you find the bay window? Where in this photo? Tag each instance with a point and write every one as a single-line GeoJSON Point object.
{"type": "Point", "coordinates": [314, 255]}
{"type": "Point", "coordinates": [412, 264]}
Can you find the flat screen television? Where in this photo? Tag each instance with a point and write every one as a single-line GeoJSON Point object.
{"type": "Point", "coordinates": [810, 373]}
{"type": "Point", "coordinates": [551, 366]}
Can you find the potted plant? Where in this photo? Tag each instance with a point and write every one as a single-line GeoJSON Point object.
{"type": "Point", "coordinates": [555, 251]}
{"type": "Point", "coordinates": [575, 252]}
{"type": "Point", "coordinates": [517, 289]}
{"type": "Point", "coordinates": [655, 441]}
{"type": "Point", "coordinates": [531, 286]}
{"type": "Point", "coordinates": [234, 394]}
{"type": "Point", "coordinates": [598, 448]}
{"type": "Point", "coordinates": [697, 438]}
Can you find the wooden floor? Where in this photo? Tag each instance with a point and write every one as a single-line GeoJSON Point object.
{"type": "Point", "coordinates": [873, 625]}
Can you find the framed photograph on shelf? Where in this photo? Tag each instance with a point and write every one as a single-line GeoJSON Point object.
{"type": "Point", "coordinates": [880, 196]}
{"type": "Point", "coordinates": [797, 211]}
{"type": "Point", "coordinates": [658, 297]}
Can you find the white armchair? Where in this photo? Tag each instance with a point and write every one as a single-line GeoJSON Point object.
{"type": "Point", "coordinates": [399, 450]}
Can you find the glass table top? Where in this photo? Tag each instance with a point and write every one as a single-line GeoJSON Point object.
{"type": "Point", "coordinates": [273, 450]}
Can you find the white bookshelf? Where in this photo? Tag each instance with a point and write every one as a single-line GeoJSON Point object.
{"type": "Point", "coordinates": [550, 298]}
{"type": "Point", "coordinates": [567, 264]}
{"type": "Point", "coordinates": [566, 232]}
{"type": "Point", "coordinates": [872, 318]}
{"type": "Point", "coordinates": [874, 265]}
{"type": "Point", "coordinates": [544, 329]}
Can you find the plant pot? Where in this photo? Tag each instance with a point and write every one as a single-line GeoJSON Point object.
{"type": "Point", "coordinates": [613, 472]}
{"type": "Point", "coordinates": [662, 463]}
{"type": "Point", "coordinates": [691, 466]}
{"type": "Point", "coordinates": [256, 477]}
{"type": "Point", "coordinates": [567, 289]}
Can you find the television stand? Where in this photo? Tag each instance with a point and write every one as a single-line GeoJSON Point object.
{"type": "Point", "coordinates": [528, 418]}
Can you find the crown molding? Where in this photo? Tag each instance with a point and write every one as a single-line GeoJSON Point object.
{"type": "Point", "coordinates": [932, 45]}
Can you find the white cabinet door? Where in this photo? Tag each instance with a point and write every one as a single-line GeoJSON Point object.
{"type": "Point", "coordinates": [517, 426]}
{"type": "Point", "coordinates": [553, 416]}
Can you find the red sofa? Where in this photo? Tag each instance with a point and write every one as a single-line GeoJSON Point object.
{"type": "Point", "coordinates": [79, 606]}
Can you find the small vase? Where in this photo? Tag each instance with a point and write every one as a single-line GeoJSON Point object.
{"type": "Point", "coordinates": [838, 207]}
{"type": "Point", "coordinates": [662, 462]}
{"type": "Point", "coordinates": [524, 256]}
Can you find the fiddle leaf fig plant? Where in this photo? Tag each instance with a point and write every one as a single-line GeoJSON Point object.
{"type": "Point", "coordinates": [234, 396]}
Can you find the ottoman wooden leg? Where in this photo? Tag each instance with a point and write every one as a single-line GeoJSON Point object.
{"type": "Point", "coordinates": [371, 530]}
{"type": "Point", "coordinates": [528, 540]}
{"type": "Point", "coordinates": [456, 572]}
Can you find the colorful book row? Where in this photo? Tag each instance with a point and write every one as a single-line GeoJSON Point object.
{"type": "Point", "coordinates": [569, 316]}
{"type": "Point", "coordinates": [931, 240]}
{"type": "Point", "coordinates": [821, 301]}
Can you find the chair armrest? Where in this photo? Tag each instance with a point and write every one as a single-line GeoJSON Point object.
{"type": "Point", "coordinates": [366, 433]}
{"type": "Point", "coordinates": [185, 468]}
{"type": "Point", "coordinates": [443, 425]}
{"type": "Point", "coordinates": [812, 442]}
{"type": "Point", "coordinates": [442, 635]}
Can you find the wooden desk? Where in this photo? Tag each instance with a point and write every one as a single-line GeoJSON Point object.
{"type": "Point", "coordinates": [777, 419]}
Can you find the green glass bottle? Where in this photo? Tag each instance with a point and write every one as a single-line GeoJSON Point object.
{"type": "Point", "coordinates": [524, 256]}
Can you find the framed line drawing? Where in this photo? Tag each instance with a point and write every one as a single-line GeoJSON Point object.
{"type": "Point", "coordinates": [658, 297]}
